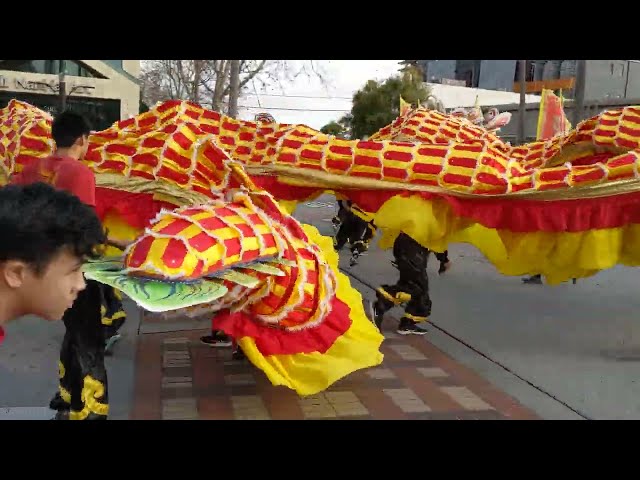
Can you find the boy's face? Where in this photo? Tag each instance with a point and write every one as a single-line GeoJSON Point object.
{"type": "Point", "coordinates": [50, 293]}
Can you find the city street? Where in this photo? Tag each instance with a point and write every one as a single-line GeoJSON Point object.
{"type": "Point", "coordinates": [29, 367]}
{"type": "Point", "coordinates": [496, 349]}
{"type": "Point", "coordinates": [572, 350]}
{"type": "Point", "coordinates": [542, 153]}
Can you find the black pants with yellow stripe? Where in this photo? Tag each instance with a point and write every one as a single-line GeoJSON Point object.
{"type": "Point", "coordinates": [356, 231]}
{"type": "Point", "coordinates": [97, 313]}
{"type": "Point", "coordinates": [412, 288]}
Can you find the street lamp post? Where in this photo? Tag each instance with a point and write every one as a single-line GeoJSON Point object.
{"type": "Point", "coordinates": [62, 90]}
{"type": "Point", "coordinates": [578, 97]}
{"type": "Point", "coordinates": [522, 111]}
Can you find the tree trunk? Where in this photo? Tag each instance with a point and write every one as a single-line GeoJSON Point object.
{"type": "Point", "coordinates": [222, 72]}
{"type": "Point", "coordinates": [234, 88]}
{"type": "Point", "coordinates": [197, 74]}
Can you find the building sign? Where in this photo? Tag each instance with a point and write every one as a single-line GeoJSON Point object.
{"type": "Point", "coordinates": [46, 86]}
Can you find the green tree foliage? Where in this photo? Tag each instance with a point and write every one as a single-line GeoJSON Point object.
{"type": "Point", "coordinates": [377, 104]}
{"type": "Point", "coordinates": [333, 128]}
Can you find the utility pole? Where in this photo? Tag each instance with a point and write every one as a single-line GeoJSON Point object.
{"type": "Point", "coordinates": [578, 100]}
{"type": "Point", "coordinates": [62, 86]}
{"type": "Point", "coordinates": [522, 71]}
{"type": "Point", "coordinates": [63, 95]}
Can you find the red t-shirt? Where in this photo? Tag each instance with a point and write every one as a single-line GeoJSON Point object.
{"type": "Point", "coordinates": [1, 334]}
{"type": "Point", "coordinates": [64, 173]}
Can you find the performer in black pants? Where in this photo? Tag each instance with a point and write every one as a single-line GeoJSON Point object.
{"type": "Point", "coordinates": [412, 288]}
{"type": "Point", "coordinates": [356, 228]}
{"type": "Point", "coordinates": [113, 316]}
{"type": "Point", "coordinates": [83, 391]}
{"type": "Point", "coordinates": [343, 209]}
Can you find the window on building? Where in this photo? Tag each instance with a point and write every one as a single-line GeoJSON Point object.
{"type": "Point", "coordinates": [529, 74]}
{"type": "Point", "coordinates": [27, 66]}
{"type": "Point", "coordinates": [117, 64]}
{"type": "Point", "coordinates": [468, 71]}
{"type": "Point", "coordinates": [538, 67]}
{"type": "Point", "coordinates": [77, 70]}
{"type": "Point", "coordinates": [101, 113]}
{"type": "Point", "coordinates": [51, 67]}
{"type": "Point", "coordinates": [617, 69]}
{"type": "Point", "coordinates": [466, 76]}
{"type": "Point", "coordinates": [531, 71]}
{"type": "Point", "coordinates": [551, 70]}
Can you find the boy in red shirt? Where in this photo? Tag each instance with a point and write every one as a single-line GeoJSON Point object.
{"type": "Point", "coordinates": [46, 237]}
{"type": "Point", "coordinates": [91, 319]}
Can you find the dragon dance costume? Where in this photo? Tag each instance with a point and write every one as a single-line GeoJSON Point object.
{"type": "Point", "coordinates": [205, 199]}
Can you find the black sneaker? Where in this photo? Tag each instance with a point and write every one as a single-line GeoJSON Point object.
{"type": "Point", "coordinates": [218, 339]}
{"type": "Point", "coordinates": [61, 415]}
{"type": "Point", "coordinates": [110, 343]}
{"type": "Point", "coordinates": [444, 266]}
{"type": "Point", "coordinates": [57, 403]}
{"type": "Point", "coordinates": [353, 261]}
{"type": "Point", "coordinates": [238, 354]}
{"type": "Point", "coordinates": [409, 327]}
{"type": "Point", "coordinates": [533, 280]}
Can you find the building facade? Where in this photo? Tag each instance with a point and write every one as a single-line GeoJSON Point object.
{"type": "Point", "coordinates": [105, 91]}
{"type": "Point", "coordinates": [605, 79]}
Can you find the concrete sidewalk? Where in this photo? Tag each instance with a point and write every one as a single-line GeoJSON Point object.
{"type": "Point", "coordinates": [178, 378]}
{"type": "Point", "coordinates": [29, 368]}
{"type": "Point", "coordinates": [566, 351]}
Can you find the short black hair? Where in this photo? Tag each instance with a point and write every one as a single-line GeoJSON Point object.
{"type": "Point", "coordinates": [37, 221]}
{"type": "Point", "coordinates": [67, 127]}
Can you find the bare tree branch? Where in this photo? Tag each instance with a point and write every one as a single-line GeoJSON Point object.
{"type": "Point", "coordinates": [196, 80]}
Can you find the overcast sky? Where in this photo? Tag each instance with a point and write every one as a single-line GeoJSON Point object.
{"type": "Point", "coordinates": [344, 78]}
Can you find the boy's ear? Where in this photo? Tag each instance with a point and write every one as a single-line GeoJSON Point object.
{"type": "Point", "coordinates": [13, 272]}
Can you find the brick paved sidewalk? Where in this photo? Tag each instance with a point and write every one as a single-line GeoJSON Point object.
{"type": "Point", "coordinates": [179, 378]}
